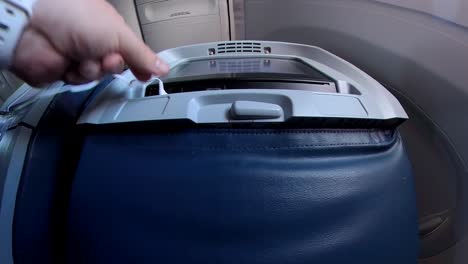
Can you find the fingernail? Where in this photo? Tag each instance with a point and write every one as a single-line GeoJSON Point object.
{"type": "Point", "coordinates": [162, 66]}
{"type": "Point", "coordinates": [90, 70]}
{"type": "Point", "coordinates": [119, 67]}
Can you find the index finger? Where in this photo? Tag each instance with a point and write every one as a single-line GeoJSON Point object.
{"type": "Point", "coordinates": [140, 58]}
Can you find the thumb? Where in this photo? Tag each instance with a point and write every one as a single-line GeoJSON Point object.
{"type": "Point", "coordinates": [140, 58]}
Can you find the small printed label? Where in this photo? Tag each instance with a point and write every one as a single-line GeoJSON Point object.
{"type": "Point", "coordinates": [185, 13]}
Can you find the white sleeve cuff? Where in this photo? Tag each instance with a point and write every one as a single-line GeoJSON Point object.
{"type": "Point", "coordinates": [25, 5]}
{"type": "Point", "coordinates": [13, 20]}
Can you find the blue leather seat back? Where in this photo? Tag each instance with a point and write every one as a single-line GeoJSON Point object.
{"type": "Point", "coordinates": [242, 196]}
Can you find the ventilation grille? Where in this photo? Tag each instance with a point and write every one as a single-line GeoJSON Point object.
{"type": "Point", "coordinates": [239, 47]}
{"type": "Point", "coordinates": [240, 66]}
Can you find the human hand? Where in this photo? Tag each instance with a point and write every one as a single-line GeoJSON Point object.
{"type": "Point", "coordinates": [78, 42]}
